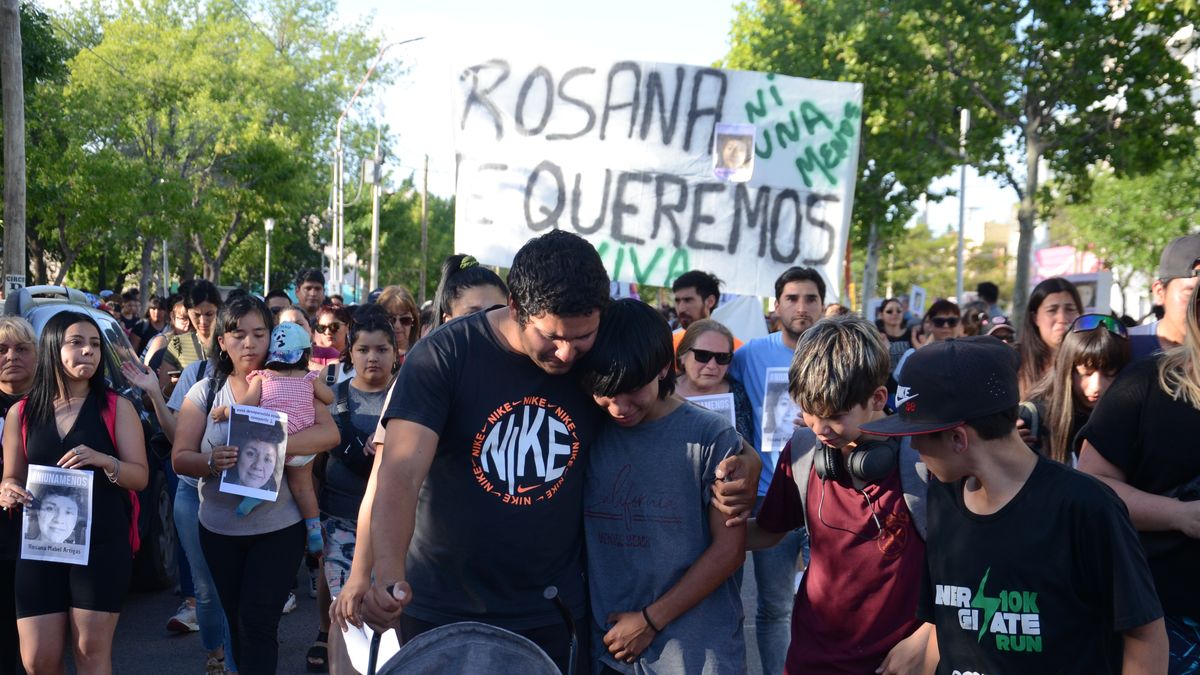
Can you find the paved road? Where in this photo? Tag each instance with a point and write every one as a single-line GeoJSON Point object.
{"type": "Point", "coordinates": [144, 647]}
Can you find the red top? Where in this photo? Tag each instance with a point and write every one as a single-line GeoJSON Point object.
{"type": "Point", "coordinates": [859, 595]}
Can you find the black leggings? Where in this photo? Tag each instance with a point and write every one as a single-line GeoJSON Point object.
{"type": "Point", "coordinates": [10, 647]}
{"type": "Point", "coordinates": [253, 575]}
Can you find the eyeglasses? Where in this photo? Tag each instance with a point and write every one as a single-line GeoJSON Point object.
{"type": "Point", "coordinates": [1087, 322]}
{"type": "Point", "coordinates": [331, 327]}
{"type": "Point", "coordinates": [944, 321]}
{"type": "Point", "coordinates": [405, 320]}
{"type": "Point", "coordinates": [892, 311]}
{"type": "Point", "coordinates": [704, 356]}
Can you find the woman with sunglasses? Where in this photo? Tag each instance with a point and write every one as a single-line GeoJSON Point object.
{"type": "Point", "coordinates": [1053, 305]}
{"type": "Point", "coordinates": [329, 335]}
{"type": "Point", "coordinates": [405, 317]}
{"type": "Point", "coordinates": [702, 364]}
{"type": "Point", "coordinates": [1091, 355]}
{"type": "Point", "coordinates": [1141, 441]}
{"type": "Point", "coordinates": [890, 322]}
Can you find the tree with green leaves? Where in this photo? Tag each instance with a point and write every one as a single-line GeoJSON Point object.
{"type": "Point", "coordinates": [1127, 222]}
{"type": "Point", "coordinates": [906, 108]}
{"type": "Point", "coordinates": [1068, 85]}
{"type": "Point", "coordinates": [191, 123]}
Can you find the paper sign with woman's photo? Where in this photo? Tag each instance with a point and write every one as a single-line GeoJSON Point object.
{"type": "Point", "coordinates": [733, 152]}
{"type": "Point", "coordinates": [721, 404]}
{"type": "Point", "coordinates": [58, 525]}
{"type": "Point", "coordinates": [260, 435]}
{"type": "Point", "coordinates": [779, 413]}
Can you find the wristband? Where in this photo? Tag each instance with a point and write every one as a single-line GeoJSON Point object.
{"type": "Point", "coordinates": [646, 616]}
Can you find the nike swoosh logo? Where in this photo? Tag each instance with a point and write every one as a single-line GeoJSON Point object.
{"type": "Point", "coordinates": [522, 489]}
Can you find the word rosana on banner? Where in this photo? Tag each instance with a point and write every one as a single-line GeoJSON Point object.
{"type": "Point", "coordinates": [629, 155]}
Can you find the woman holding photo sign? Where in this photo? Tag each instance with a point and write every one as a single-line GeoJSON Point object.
{"type": "Point", "coordinates": [252, 557]}
{"type": "Point", "coordinates": [72, 421]}
{"type": "Point", "coordinates": [702, 364]}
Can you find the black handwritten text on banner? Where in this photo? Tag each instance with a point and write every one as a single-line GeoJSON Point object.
{"type": "Point", "coordinates": [620, 152]}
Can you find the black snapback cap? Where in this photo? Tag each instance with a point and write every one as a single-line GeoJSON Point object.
{"type": "Point", "coordinates": [947, 383]}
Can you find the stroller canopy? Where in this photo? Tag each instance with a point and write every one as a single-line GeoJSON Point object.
{"type": "Point", "coordinates": [470, 647]}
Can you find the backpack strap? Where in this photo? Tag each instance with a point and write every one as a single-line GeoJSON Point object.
{"type": "Point", "coordinates": [331, 374]}
{"type": "Point", "coordinates": [24, 426]}
{"type": "Point", "coordinates": [914, 476]}
{"type": "Point", "coordinates": [803, 445]}
{"type": "Point", "coordinates": [110, 422]}
{"type": "Point", "coordinates": [914, 481]}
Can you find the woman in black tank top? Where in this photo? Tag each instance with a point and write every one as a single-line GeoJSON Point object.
{"type": "Point", "coordinates": [62, 423]}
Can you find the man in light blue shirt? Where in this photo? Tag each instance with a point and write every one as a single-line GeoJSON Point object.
{"type": "Point", "coordinates": [800, 301]}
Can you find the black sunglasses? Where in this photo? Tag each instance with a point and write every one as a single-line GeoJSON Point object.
{"type": "Point", "coordinates": [1087, 322]}
{"type": "Point", "coordinates": [944, 321]}
{"type": "Point", "coordinates": [405, 320]}
{"type": "Point", "coordinates": [331, 327]}
{"type": "Point", "coordinates": [704, 356]}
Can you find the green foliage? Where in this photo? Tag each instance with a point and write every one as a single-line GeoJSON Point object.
{"type": "Point", "coordinates": [920, 258]}
{"type": "Point", "coordinates": [1127, 222]}
{"type": "Point", "coordinates": [1074, 84]}
{"type": "Point", "coordinates": [189, 121]}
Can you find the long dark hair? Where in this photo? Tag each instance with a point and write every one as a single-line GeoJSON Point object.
{"type": "Point", "coordinates": [460, 272]}
{"type": "Point", "coordinates": [1035, 353]}
{"type": "Point", "coordinates": [51, 377]}
{"type": "Point", "coordinates": [227, 320]}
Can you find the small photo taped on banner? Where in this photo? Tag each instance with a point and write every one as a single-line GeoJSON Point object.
{"type": "Point", "coordinates": [733, 152]}
{"type": "Point", "coordinates": [718, 403]}
{"type": "Point", "coordinates": [260, 435]}
{"type": "Point", "coordinates": [58, 525]}
{"type": "Point", "coordinates": [779, 412]}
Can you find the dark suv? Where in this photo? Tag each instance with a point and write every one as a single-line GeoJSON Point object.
{"type": "Point", "coordinates": [154, 567]}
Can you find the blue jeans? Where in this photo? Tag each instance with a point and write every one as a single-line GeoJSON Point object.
{"type": "Point", "coordinates": [775, 575]}
{"type": "Point", "coordinates": [214, 631]}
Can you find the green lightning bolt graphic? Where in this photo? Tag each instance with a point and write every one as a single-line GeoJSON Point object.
{"type": "Point", "coordinates": [988, 605]}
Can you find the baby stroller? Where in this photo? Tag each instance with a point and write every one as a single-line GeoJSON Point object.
{"type": "Point", "coordinates": [471, 647]}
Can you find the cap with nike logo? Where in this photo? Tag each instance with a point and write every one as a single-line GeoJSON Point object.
{"type": "Point", "coordinates": [945, 384]}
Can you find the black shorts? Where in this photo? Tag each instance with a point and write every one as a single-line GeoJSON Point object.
{"type": "Point", "coordinates": [52, 587]}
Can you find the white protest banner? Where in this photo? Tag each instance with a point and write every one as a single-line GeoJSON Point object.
{"type": "Point", "coordinates": [629, 155]}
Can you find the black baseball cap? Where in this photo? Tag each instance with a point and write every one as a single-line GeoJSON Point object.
{"type": "Point", "coordinates": [944, 384]}
{"type": "Point", "coordinates": [1179, 258]}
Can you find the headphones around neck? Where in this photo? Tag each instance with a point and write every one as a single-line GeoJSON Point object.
{"type": "Point", "coordinates": [870, 461]}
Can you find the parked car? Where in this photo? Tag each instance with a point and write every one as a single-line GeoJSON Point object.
{"type": "Point", "coordinates": [155, 566]}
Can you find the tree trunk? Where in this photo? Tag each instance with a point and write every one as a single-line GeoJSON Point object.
{"type": "Point", "coordinates": [37, 256]}
{"type": "Point", "coordinates": [68, 254]}
{"type": "Point", "coordinates": [1025, 216]}
{"type": "Point", "coordinates": [870, 269]}
{"type": "Point", "coordinates": [12, 98]}
{"type": "Point", "coordinates": [148, 245]}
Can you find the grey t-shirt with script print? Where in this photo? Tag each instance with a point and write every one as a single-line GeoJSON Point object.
{"type": "Point", "coordinates": [646, 519]}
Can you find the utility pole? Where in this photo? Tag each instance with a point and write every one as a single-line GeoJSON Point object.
{"type": "Point", "coordinates": [424, 226]}
{"type": "Point", "coordinates": [13, 101]}
{"type": "Point", "coordinates": [964, 125]}
{"type": "Point", "coordinates": [376, 174]}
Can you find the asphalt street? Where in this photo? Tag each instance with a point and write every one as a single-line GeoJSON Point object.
{"type": "Point", "coordinates": [144, 647]}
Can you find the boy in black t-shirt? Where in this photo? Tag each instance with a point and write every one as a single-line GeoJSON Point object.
{"type": "Point", "coordinates": [1032, 567]}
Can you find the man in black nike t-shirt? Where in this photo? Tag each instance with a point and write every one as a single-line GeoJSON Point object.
{"type": "Point", "coordinates": [481, 477]}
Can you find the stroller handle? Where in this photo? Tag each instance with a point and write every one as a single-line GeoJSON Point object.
{"type": "Point", "coordinates": [551, 594]}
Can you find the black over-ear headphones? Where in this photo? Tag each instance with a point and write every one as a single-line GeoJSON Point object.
{"type": "Point", "coordinates": [870, 461]}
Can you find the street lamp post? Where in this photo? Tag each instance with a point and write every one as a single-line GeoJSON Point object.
{"type": "Point", "coordinates": [339, 223]}
{"type": "Point", "coordinates": [268, 224]}
{"type": "Point", "coordinates": [964, 125]}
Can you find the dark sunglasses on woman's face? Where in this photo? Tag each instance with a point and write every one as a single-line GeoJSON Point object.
{"type": "Point", "coordinates": [405, 320]}
{"type": "Point", "coordinates": [331, 327]}
{"type": "Point", "coordinates": [944, 321]}
{"type": "Point", "coordinates": [704, 356]}
{"type": "Point", "coordinates": [1087, 322]}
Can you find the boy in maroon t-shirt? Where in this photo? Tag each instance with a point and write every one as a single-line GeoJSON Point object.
{"type": "Point", "coordinates": [858, 597]}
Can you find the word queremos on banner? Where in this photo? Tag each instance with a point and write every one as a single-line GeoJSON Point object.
{"type": "Point", "coordinates": [651, 163]}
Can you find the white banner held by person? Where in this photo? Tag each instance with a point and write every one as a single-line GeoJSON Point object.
{"type": "Point", "coordinates": [649, 162]}
{"type": "Point", "coordinates": [260, 435]}
{"type": "Point", "coordinates": [58, 525]}
{"type": "Point", "coordinates": [718, 403]}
